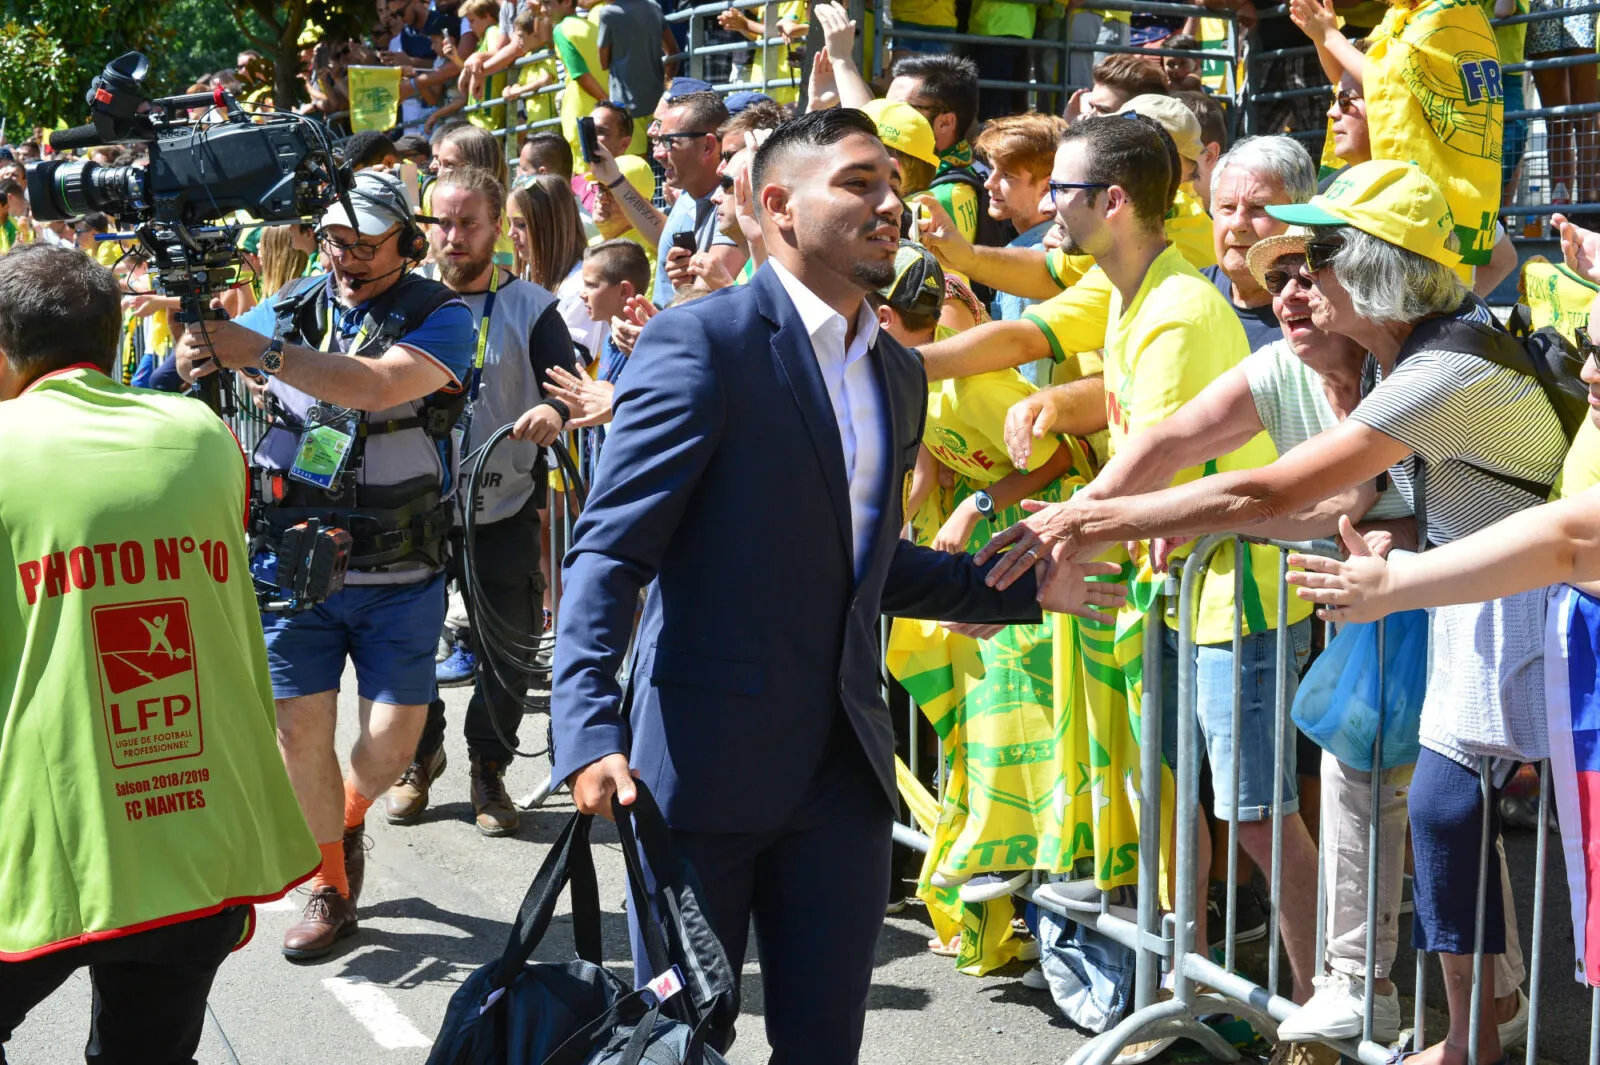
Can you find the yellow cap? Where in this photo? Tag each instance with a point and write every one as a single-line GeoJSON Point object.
{"type": "Point", "coordinates": [902, 127]}
{"type": "Point", "coordinates": [1176, 119]}
{"type": "Point", "coordinates": [1390, 200]}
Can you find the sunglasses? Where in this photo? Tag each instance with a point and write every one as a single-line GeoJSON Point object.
{"type": "Point", "coordinates": [1320, 252]}
{"type": "Point", "coordinates": [726, 181]}
{"type": "Point", "coordinates": [1345, 99]}
{"type": "Point", "coordinates": [1278, 280]}
{"type": "Point", "coordinates": [669, 138]}
{"type": "Point", "coordinates": [1058, 187]}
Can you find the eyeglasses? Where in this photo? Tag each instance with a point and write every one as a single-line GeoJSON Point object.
{"type": "Point", "coordinates": [1345, 99]}
{"type": "Point", "coordinates": [1057, 187]}
{"type": "Point", "coordinates": [929, 111]}
{"type": "Point", "coordinates": [668, 138]}
{"type": "Point", "coordinates": [361, 253]}
{"type": "Point", "coordinates": [1320, 252]}
{"type": "Point", "coordinates": [1278, 280]}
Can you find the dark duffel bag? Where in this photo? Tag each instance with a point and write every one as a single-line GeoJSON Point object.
{"type": "Point", "coordinates": [517, 1012]}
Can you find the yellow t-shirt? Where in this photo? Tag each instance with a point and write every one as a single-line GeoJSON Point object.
{"type": "Point", "coordinates": [577, 42]}
{"type": "Point", "coordinates": [539, 107]}
{"type": "Point", "coordinates": [924, 12]}
{"type": "Point", "coordinates": [1557, 297]}
{"type": "Point", "coordinates": [1433, 93]}
{"type": "Point", "coordinates": [1176, 336]}
{"type": "Point", "coordinates": [1187, 225]}
{"type": "Point", "coordinates": [1581, 469]}
{"type": "Point", "coordinates": [966, 422]}
{"type": "Point", "coordinates": [781, 61]}
{"type": "Point", "coordinates": [490, 118]}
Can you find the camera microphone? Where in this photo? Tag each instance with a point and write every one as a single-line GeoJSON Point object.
{"type": "Point", "coordinates": [66, 140]}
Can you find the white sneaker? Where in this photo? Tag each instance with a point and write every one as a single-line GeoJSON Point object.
{"type": "Point", "coordinates": [1070, 894]}
{"type": "Point", "coordinates": [1034, 979]}
{"type": "Point", "coordinates": [1514, 1033]}
{"type": "Point", "coordinates": [986, 887]}
{"type": "Point", "coordinates": [1334, 1012]}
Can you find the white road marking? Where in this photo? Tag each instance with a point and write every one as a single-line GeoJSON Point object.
{"type": "Point", "coordinates": [283, 905]}
{"type": "Point", "coordinates": [376, 1012]}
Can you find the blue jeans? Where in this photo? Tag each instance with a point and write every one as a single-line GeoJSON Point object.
{"type": "Point", "coordinates": [1214, 680]}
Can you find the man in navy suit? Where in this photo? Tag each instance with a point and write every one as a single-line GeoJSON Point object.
{"type": "Point", "coordinates": [754, 471]}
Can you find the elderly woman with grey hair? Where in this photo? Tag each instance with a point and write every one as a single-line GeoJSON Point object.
{"type": "Point", "coordinates": [1467, 442]}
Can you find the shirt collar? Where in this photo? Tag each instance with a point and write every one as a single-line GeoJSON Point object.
{"type": "Point", "coordinates": [817, 316]}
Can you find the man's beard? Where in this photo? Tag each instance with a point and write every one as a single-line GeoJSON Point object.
{"type": "Point", "coordinates": [458, 272]}
{"type": "Point", "coordinates": [873, 275]}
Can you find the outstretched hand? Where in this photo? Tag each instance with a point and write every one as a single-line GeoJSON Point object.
{"type": "Point", "coordinates": [1048, 537]}
{"type": "Point", "coordinates": [1580, 247]}
{"type": "Point", "coordinates": [1068, 590]}
{"type": "Point", "coordinates": [1355, 589]}
{"type": "Point", "coordinates": [1315, 17]}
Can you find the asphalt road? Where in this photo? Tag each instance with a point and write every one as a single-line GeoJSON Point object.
{"type": "Point", "coordinates": [437, 904]}
{"type": "Point", "coordinates": [439, 897]}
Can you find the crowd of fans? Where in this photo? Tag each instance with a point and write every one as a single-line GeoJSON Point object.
{"type": "Point", "coordinates": [1135, 330]}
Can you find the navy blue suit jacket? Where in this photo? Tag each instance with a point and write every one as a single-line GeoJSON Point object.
{"type": "Point", "coordinates": [723, 481]}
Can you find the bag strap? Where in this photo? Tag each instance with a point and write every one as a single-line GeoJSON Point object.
{"type": "Point", "coordinates": [578, 1047]}
{"type": "Point", "coordinates": [638, 888]}
{"type": "Point", "coordinates": [568, 861]}
{"type": "Point", "coordinates": [692, 943]}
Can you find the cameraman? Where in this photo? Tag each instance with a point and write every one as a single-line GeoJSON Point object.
{"type": "Point", "coordinates": [521, 336]}
{"type": "Point", "coordinates": [365, 380]}
{"type": "Point", "coordinates": [144, 806]}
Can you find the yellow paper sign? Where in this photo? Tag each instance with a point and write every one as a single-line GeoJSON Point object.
{"type": "Point", "coordinates": [374, 97]}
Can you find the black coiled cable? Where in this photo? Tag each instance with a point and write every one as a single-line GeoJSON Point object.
{"type": "Point", "coordinates": [503, 650]}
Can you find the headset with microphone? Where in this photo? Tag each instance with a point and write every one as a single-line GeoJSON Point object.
{"type": "Point", "coordinates": [389, 198]}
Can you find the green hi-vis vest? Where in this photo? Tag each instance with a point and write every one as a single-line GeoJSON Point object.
{"type": "Point", "coordinates": [1557, 297]}
{"type": "Point", "coordinates": [140, 780]}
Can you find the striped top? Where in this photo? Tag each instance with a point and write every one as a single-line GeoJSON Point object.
{"type": "Point", "coordinates": [1468, 418]}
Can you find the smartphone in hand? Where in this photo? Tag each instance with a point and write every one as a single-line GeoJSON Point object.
{"type": "Point", "coordinates": [686, 241]}
{"type": "Point", "coordinates": [588, 140]}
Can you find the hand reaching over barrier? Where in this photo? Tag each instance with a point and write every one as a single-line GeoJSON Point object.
{"type": "Point", "coordinates": [588, 400]}
{"type": "Point", "coordinates": [1356, 589]}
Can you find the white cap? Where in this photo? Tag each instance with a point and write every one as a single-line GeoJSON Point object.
{"type": "Point", "coordinates": [380, 204]}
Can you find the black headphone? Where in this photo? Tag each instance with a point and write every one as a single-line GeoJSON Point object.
{"type": "Point", "coordinates": [390, 198]}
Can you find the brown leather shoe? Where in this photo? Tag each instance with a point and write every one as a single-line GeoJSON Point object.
{"type": "Point", "coordinates": [355, 860]}
{"type": "Point", "coordinates": [404, 803]}
{"type": "Point", "coordinates": [496, 814]}
{"type": "Point", "coordinates": [328, 918]}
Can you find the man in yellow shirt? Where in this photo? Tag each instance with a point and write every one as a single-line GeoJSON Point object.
{"type": "Point", "coordinates": [1072, 319]}
{"type": "Point", "coordinates": [1169, 334]}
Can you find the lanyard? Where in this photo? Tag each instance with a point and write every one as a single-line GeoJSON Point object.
{"type": "Point", "coordinates": [327, 337]}
{"type": "Point", "coordinates": [483, 333]}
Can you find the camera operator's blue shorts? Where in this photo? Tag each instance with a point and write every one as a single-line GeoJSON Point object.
{"type": "Point", "coordinates": [388, 630]}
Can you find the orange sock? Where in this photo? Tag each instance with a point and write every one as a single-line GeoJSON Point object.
{"type": "Point", "coordinates": [355, 806]}
{"type": "Point", "coordinates": [332, 872]}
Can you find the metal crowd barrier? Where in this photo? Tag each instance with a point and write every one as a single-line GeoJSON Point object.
{"type": "Point", "coordinates": [1164, 943]}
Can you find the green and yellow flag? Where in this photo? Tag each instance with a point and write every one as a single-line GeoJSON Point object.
{"type": "Point", "coordinates": [374, 98]}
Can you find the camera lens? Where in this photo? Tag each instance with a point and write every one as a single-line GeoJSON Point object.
{"type": "Point", "coordinates": [59, 190]}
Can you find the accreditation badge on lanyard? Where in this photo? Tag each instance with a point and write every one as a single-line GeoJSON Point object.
{"type": "Point", "coordinates": [329, 435]}
{"type": "Point", "coordinates": [478, 354]}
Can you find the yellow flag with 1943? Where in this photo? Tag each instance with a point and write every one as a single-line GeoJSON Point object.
{"type": "Point", "coordinates": [374, 97]}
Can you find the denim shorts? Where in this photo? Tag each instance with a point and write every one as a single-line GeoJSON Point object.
{"type": "Point", "coordinates": [1214, 677]}
{"type": "Point", "coordinates": [388, 630]}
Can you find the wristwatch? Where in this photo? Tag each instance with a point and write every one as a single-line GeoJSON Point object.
{"type": "Point", "coordinates": [985, 504]}
{"type": "Point", "coordinates": [272, 359]}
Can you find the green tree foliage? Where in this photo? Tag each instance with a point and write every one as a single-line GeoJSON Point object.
{"type": "Point", "coordinates": [51, 49]}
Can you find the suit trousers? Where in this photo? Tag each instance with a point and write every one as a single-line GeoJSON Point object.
{"type": "Point", "coordinates": [150, 988]}
{"type": "Point", "coordinates": [816, 888]}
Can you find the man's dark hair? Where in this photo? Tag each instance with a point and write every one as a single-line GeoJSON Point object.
{"type": "Point", "coordinates": [8, 187]}
{"type": "Point", "coordinates": [413, 143]}
{"type": "Point", "coordinates": [703, 111]}
{"type": "Point", "coordinates": [1213, 123]}
{"type": "Point", "coordinates": [57, 307]}
{"type": "Point", "coordinates": [97, 221]}
{"type": "Point", "coordinates": [1130, 154]}
{"type": "Point", "coordinates": [952, 80]}
{"type": "Point", "coordinates": [759, 115]}
{"type": "Point", "coordinates": [550, 151]}
{"type": "Point", "coordinates": [368, 147]}
{"type": "Point", "coordinates": [1130, 75]}
{"type": "Point", "coordinates": [815, 129]}
{"type": "Point", "coordinates": [1181, 42]}
{"type": "Point", "coordinates": [622, 112]}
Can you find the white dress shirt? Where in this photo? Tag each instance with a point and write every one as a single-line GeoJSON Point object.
{"type": "Point", "coordinates": [857, 405]}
